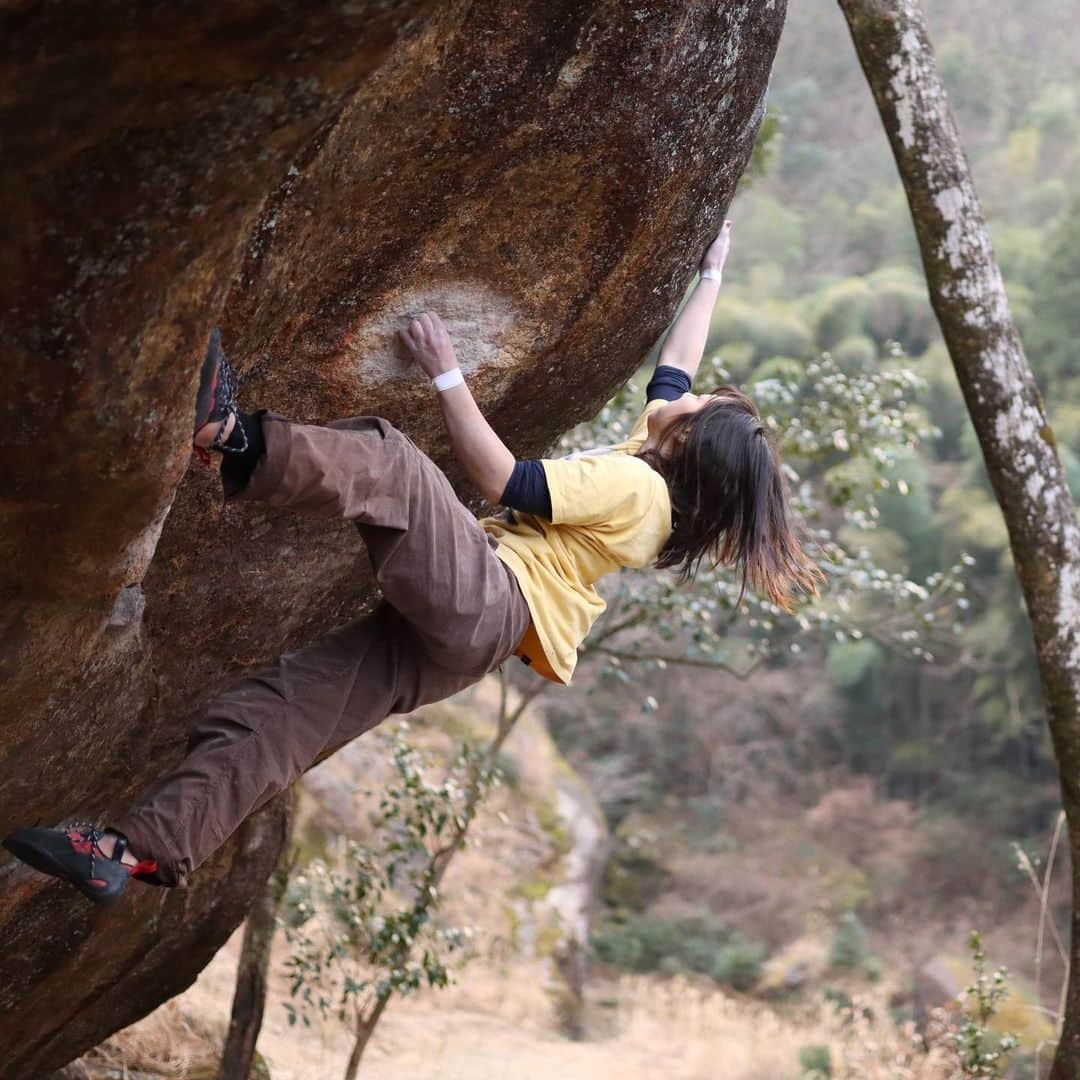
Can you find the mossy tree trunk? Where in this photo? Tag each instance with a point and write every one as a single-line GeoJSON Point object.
{"type": "Point", "coordinates": [968, 296]}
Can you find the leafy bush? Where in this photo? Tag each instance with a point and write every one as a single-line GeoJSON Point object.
{"type": "Point", "coordinates": [805, 160]}
{"type": "Point", "coordinates": [1056, 306]}
{"type": "Point", "coordinates": [870, 232]}
{"type": "Point", "coordinates": [815, 1060]}
{"type": "Point", "coordinates": [1020, 253]}
{"type": "Point", "coordinates": [1065, 420]}
{"type": "Point", "coordinates": [855, 353]}
{"type": "Point", "coordinates": [849, 950]}
{"type": "Point", "coordinates": [506, 768]}
{"type": "Point", "coordinates": [965, 76]}
{"type": "Point", "coordinates": [644, 943]}
{"type": "Point", "coordinates": [1054, 111]}
{"type": "Point", "coordinates": [366, 927]}
{"type": "Point", "coordinates": [900, 311]}
{"type": "Point", "coordinates": [984, 1054]}
{"type": "Point", "coordinates": [738, 964]}
{"type": "Point", "coordinates": [1048, 199]}
{"type": "Point", "coordinates": [639, 942]}
{"type": "Point", "coordinates": [730, 321]}
{"type": "Point", "coordinates": [778, 333]}
{"type": "Point", "coordinates": [633, 879]}
{"type": "Point", "coordinates": [784, 368]}
{"type": "Point", "coordinates": [873, 968]}
{"type": "Point", "coordinates": [701, 954]}
{"type": "Point", "coordinates": [905, 507]}
{"type": "Point", "coordinates": [1070, 462]}
{"type": "Point", "coordinates": [774, 331]}
{"type": "Point", "coordinates": [618, 945]}
{"type": "Point", "coordinates": [849, 662]}
{"type": "Point", "coordinates": [844, 311]}
{"type": "Point", "coordinates": [771, 232]}
{"type": "Point", "coordinates": [944, 403]}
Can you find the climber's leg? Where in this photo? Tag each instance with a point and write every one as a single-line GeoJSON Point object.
{"type": "Point", "coordinates": [433, 562]}
{"type": "Point", "coordinates": [251, 742]}
{"type": "Point", "coordinates": [453, 611]}
{"type": "Point", "coordinates": [247, 745]}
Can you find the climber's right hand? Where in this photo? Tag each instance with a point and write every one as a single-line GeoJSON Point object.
{"type": "Point", "coordinates": [429, 344]}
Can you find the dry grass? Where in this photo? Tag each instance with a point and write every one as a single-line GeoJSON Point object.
{"type": "Point", "coordinates": [720, 1035]}
{"type": "Point", "coordinates": [173, 1041]}
{"type": "Point", "coordinates": [497, 1024]}
{"type": "Point", "coordinates": [787, 873]}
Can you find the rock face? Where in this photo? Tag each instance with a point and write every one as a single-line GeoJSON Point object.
{"type": "Point", "coordinates": [543, 175]}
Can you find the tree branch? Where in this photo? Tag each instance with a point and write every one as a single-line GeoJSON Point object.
{"type": "Point", "coordinates": [684, 661]}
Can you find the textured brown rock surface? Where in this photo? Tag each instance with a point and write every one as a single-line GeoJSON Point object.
{"type": "Point", "coordinates": [543, 175]}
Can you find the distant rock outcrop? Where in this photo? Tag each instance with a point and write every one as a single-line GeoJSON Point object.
{"type": "Point", "coordinates": [542, 174]}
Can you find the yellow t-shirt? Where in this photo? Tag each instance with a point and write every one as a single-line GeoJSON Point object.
{"type": "Point", "coordinates": [609, 509]}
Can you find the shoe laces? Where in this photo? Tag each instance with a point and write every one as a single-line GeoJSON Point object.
{"type": "Point", "coordinates": [91, 832]}
{"type": "Point", "coordinates": [228, 384]}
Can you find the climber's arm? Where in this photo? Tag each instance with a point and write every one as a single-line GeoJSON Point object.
{"type": "Point", "coordinates": [684, 345]}
{"type": "Point", "coordinates": [486, 460]}
{"type": "Point", "coordinates": [485, 457]}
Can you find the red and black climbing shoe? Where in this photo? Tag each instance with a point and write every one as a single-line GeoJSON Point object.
{"type": "Point", "coordinates": [216, 399]}
{"type": "Point", "coordinates": [74, 854]}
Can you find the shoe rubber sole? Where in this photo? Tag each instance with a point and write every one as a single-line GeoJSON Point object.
{"type": "Point", "coordinates": [48, 849]}
{"type": "Point", "coordinates": [208, 380]}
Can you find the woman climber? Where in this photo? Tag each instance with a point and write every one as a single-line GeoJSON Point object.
{"type": "Point", "coordinates": [698, 478]}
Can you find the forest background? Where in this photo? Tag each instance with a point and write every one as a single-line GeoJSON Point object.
{"type": "Point", "coordinates": [842, 817]}
{"type": "Point", "coordinates": [925, 780]}
{"type": "Point", "coordinates": [827, 261]}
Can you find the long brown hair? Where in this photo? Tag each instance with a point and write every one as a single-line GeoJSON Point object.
{"type": "Point", "coordinates": [729, 500]}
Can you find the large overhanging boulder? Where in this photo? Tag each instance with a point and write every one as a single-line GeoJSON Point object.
{"type": "Point", "coordinates": [541, 174]}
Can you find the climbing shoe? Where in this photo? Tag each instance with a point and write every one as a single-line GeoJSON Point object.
{"type": "Point", "coordinates": [216, 400]}
{"type": "Point", "coordinates": [73, 853]}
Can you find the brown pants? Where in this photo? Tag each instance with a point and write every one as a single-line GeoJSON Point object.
{"type": "Point", "coordinates": [452, 611]}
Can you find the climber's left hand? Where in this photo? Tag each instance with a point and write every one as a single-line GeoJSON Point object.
{"type": "Point", "coordinates": [717, 252]}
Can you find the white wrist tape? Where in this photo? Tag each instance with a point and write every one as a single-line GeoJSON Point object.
{"type": "Point", "coordinates": [448, 379]}
{"type": "Point", "coordinates": [711, 275]}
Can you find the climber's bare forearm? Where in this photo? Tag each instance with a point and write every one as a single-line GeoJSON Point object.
{"type": "Point", "coordinates": [484, 456]}
{"type": "Point", "coordinates": [685, 343]}
{"type": "Point", "coordinates": [487, 462]}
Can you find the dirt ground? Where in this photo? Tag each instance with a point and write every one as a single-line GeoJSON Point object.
{"type": "Point", "coordinates": [494, 1024]}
